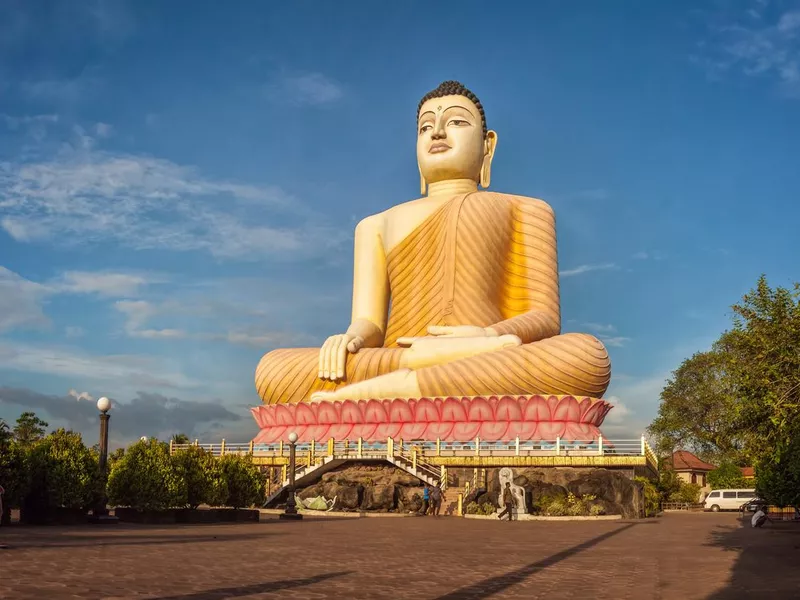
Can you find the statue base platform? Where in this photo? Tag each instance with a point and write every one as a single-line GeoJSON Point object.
{"type": "Point", "coordinates": [451, 419]}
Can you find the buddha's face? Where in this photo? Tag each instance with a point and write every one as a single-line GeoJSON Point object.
{"type": "Point", "coordinates": [450, 140]}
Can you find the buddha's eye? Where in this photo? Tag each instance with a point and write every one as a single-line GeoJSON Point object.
{"type": "Point", "coordinates": [425, 128]}
{"type": "Point", "coordinates": [458, 122]}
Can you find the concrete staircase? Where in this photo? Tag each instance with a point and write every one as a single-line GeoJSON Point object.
{"type": "Point", "coordinates": [424, 471]}
{"type": "Point", "coordinates": [450, 507]}
{"type": "Point", "coordinates": [306, 474]}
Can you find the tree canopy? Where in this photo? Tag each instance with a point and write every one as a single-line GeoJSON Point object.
{"type": "Point", "coordinates": [739, 403]}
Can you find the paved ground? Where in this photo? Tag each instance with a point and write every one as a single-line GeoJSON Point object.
{"type": "Point", "coordinates": [676, 556]}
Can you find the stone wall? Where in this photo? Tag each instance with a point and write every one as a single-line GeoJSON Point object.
{"type": "Point", "coordinates": [616, 493]}
{"type": "Point", "coordinates": [368, 487]}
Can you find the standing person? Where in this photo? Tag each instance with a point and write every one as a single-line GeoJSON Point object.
{"type": "Point", "coordinates": [426, 497]}
{"type": "Point", "coordinates": [436, 499]}
{"type": "Point", "coordinates": [508, 501]}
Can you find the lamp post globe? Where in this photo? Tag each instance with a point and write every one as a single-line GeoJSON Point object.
{"type": "Point", "coordinates": [290, 512]}
{"type": "Point", "coordinates": [100, 513]}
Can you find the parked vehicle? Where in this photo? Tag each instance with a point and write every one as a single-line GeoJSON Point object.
{"type": "Point", "coordinates": [728, 499]}
{"type": "Point", "coordinates": [753, 505]}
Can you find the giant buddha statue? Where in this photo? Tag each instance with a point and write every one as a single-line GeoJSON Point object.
{"type": "Point", "coordinates": [455, 308]}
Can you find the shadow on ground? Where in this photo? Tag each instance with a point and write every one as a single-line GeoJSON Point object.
{"type": "Point", "coordinates": [767, 563]}
{"type": "Point", "coordinates": [494, 585]}
{"type": "Point", "coordinates": [251, 590]}
{"type": "Point", "coordinates": [68, 540]}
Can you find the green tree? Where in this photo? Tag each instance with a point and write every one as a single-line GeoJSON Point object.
{"type": "Point", "coordinates": [245, 482]}
{"type": "Point", "coordinates": [29, 429]}
{"type": "Point", "coordinates": [63, 473]}
{"type": "Point", "coordinates": [144, 478]}
{"type": "Point", "coordinates": [740, 402]}
{"type": "Point", "coordinates": [688, 492]}
{"type": "Point", "coordinates": [727, 475]}
{"type": "Point", "coordinates": [13, 474]}
{"type": "Point", "coordinates": [203, 475]}
{"type": "Point", "coordinates": [5, 431]}
{"type": "Point", "coordinates": [181, 438]}
{"type": "Point", "coordinates": [697, 409]}
{"type": "Point", "coordinates": [778, 474]}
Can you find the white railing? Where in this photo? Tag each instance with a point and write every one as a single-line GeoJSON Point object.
{"type": "Point", "coordinates": [418, 450]}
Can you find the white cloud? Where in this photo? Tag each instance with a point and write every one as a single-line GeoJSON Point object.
{"type": "Point", "coordinates": [102, 283]}
{"type": "Point", "coordinates": [89, 196]}
{"type": "Point", "coordinates": [757, 47]}
{"type": "Point", "coordinates": [73, 331]}
{"type": "Point", "coordinates": [587, 269]}
{"type": "Point", "coordinates": [141, 372]}
{"type": "Point", "coordinates": [599, 327]}
{"type": "Point", "coordinates": [103, 130]}
{"type": "Point", "coordinates": [640, 256]}
{"type": "Point", "coordinates": [312, 89]}
{"type": "Point", "coordinates": [20, 302]}
{"type": "Point", "coordinates": [81, 396]}
{"type": "Point", "coordinates": [616, 341]}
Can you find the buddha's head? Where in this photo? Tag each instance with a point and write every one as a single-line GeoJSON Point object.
{"type": "Point", "coordinates": [452, 139]}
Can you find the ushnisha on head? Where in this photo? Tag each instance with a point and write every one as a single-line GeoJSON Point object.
{"type": "Point", "coordinates": [453, 141]}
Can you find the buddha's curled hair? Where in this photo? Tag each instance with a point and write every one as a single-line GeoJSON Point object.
{"type": "Point", "coordinates": [454, 88]}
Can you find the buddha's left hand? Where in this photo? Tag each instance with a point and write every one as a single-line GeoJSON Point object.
{"type": "Point", "coordinates": [461, 331]}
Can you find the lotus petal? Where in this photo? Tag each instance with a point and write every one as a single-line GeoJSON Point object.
{"type": "Point", "coordinates": [524, 430]}
{"type": "Point", "coordinates": [400, 411]}
{"type": "Point", "coordinates": [364, 431]}
{"type": "Point", "coordinates": [384, 431]}
{"type": "Point", "coordinates": [284, 415]}
{"type": "Point", "coordinates": [318, 432]}
{"type": "Point", "coordinates": [480, 410]}
{"type": "Point", "coordinates": [272, 434]}
{"type": "Point", "coordinates": [304, 415]}
{"type": "Point", "coordinates": [412, 431]}
{"type": "Point", "coordinates": [374, 412]}
{"type": "Point", "coordinates": [341, 431]}
{"type": "Point", "coordinates": [493, 431]}
{"type": "Point", "coordinates": [550, 430]}
{"type": "Point", "coordinates": [536, 410]}
{"type": "Point", "coordinates": [440, 431]}
{"type": "Point", "coordinates": [567, 410]}
{"type": "Point", "coordinates": [453, 410]}
{"type": "Point", "coordinates": [466, 431]}
{"type": "Point", "coordinates": [426, 411]}
{"type": "Point", "coordinates": [508, 409]}
{"type": "Point", "coordinates": [593, 413]}
{"type": "Point", "coordinates": [351, 413]}
{"type": "Point", "coordinates": [327, 413]}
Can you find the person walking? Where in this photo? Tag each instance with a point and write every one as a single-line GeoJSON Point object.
{"type": "Point", "coordinates": [436, 499]}
{"type": "Point", "coordinates": [508, 501]}
{"type": "Point", "coordinates": [426, 498]}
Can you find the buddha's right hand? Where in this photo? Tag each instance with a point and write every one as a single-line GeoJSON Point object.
{"type": "Point", "coordinates": [433, 350]}
{"type": "Point", "coordinates": [333, 355]}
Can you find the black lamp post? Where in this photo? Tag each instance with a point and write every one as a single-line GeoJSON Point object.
{"type": "Point", "coordinates": [100, 512]}
{"type": "Point", "coordinates": [290, 512]}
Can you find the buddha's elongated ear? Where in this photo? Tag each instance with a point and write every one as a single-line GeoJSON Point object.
{"type": "Point", "coordinates": [423, 185]}
{"type": "Point", "coordinates": [490, 143]}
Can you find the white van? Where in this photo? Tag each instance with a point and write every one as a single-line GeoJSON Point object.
{"type": "Point", "coordinates": [728, 499]}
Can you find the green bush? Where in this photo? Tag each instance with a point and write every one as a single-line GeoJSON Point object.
{"type": "Point", "coordinates": [652, 496]}
{"type": "Point", "coordinates": [144, 478]}
{"type": "Point", "coordinates": [203, 476]}
{"type": "Point", "coordinates": [689, 493]}
{"type": "Point", "coordinates": [489, 508]}
{"type": "Point", "coordinates": [62, 473]}
{"type": "Point", "coordinates": [245, 483]}
{"type": "Point", "coordinates": [596, 510]}
{"type": "Point", "coordinates": [727, 475]}
{"type": "Point", "coordinates": [473, 508]}
{"type": "Point", "coordinates": [13, 473]}
{"type": "Point", "coordinates": [557, 507]}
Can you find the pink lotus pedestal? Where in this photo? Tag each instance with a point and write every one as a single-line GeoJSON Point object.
{"type": "Point", "coordinates": [490, 418]}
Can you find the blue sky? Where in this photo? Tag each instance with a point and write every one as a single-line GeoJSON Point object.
{"type": "Point", "coordinates": [179, 181]}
